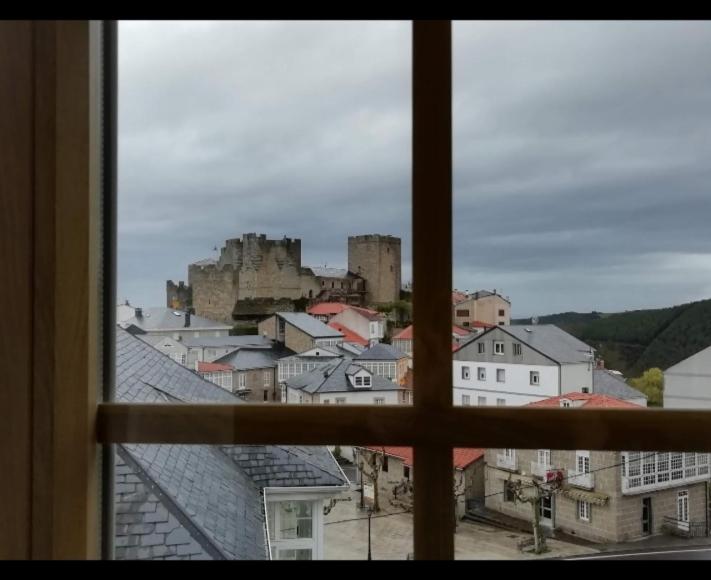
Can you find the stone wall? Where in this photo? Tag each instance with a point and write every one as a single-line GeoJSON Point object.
{"type": "Point", "coordinates": [178, 296]}
{"type": "Point", "coordinates": [377, 258]}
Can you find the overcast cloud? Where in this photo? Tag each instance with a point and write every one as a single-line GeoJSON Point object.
{"type": "Point", "coordinates": [582, 173]}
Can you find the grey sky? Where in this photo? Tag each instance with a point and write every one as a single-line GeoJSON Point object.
{"type": "Point", "coordinates": [581, 152]}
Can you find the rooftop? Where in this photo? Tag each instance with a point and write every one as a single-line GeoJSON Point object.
{"type": "Point", "coordinates": [196, 501]}
{"type": "Point", "coordinates": [588, 400]}
{"type": "Point", "coordinates": [206, 367]}
{"type": "Point", "coordinates": [333, 378]}
{"type": "Point", "coordinates": [309, 325]}
{"type": "Point", "coordinates": [349, 335]}
{"type": "Point", "coordinates": [381, 351]}
{"type": "Point", "coordinates": [168, 319]}
{"type": "Point", "coordinates": [324, 272]}
{"type": "Point", "coordinates": [462, 457]}
{"type": "Point", "coordinates": [608, 383]}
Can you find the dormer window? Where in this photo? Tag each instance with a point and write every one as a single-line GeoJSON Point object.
{"type": "Point", "coordinates": [366, 381]}
{"type": "Point", "coordinates": [565, 403]}
{"type": "Point", "coordinates": [359, 381]}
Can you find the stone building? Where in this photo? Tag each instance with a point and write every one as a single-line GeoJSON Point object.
{"type": "Point", "coordinates": [605, 496]}
{"type": "Point", "coordinates": [255, 277]}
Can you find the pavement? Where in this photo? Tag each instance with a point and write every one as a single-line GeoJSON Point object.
{"type": "Point", "coordinates": [346, 537]}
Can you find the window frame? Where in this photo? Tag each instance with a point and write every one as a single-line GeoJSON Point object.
{"type": "Point", "coordinates": [52, 79]}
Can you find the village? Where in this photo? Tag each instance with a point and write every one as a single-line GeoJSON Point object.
{"type": "Point", "coordinates": [265, 329]}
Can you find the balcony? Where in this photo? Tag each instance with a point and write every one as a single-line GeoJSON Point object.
{"type": "Point", "coordinates": [506, 462]}
{"type": "Point", "coordinates": [580, 479]}
{"type": "Point", "coordinates": [540, 469]}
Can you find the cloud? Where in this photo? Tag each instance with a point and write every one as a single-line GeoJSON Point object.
{"type": "Point", "coordinates": [580, 151]}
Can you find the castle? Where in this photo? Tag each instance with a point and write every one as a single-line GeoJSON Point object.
{"type": "Point", "coordinates": [255, 277]}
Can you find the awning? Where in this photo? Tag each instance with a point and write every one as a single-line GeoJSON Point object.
{"type": "Point", "coordinates": [588, 496]}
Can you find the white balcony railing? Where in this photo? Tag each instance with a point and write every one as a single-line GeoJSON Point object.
{"type": "Point", "coordinates": [540, 469]}
{"type": "Point", "coordinates": [506, 462]}
{"type": "Point", "coordinates": [579, 479]}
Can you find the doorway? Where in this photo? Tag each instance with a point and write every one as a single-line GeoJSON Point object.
{"type": "Point", "coordinates": [546, 511]}
{"type": "Point", "coordinates": [646, 516]}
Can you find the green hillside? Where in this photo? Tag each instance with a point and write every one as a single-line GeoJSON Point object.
{"type": "Point", "coordinates": [640, 339]}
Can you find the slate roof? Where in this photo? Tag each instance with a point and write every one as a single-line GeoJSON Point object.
{"type": "Point", "coordinates": [607, 383]}
{"type": "Point", "coordinates": [169, 319]}
{"type": "Point", "coordinates": [310, 325]}
{"type": "Point", "coordinates": [236, 341]}
{"type": "Point", "coordinates": [246, 358]}
{"type": "Point", "coordinates": [332, 378]}
{"type": "Point", "coordinates": [324, 272]}
{"type": "Point", "coordinates": [381, 351]}
{"type": "Point", "coordinates": [548, 339]}
{"type": "Point", "coordinates": [195, 501]}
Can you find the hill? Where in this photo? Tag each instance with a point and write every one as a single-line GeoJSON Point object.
{"type": "Point", "coordinates": [636, 340]}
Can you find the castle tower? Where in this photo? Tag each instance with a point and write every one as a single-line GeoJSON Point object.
{"type": "Point", "coordinates": [376, 258]}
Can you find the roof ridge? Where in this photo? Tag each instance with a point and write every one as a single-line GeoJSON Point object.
{"type": "Point", "coordinates": [288, 450]}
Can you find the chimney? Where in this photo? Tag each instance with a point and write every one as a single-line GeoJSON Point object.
{"type": "Point", "coordinates": [600, 363]}
{"type": "Point", "coordinates": [139, 313]}
{"type": "Point", "coordinates": [187, 318]}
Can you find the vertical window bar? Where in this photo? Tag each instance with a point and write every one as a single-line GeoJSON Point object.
{"type": "Point", "coordinates": [432, 278]}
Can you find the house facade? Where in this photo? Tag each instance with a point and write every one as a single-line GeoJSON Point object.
{"type": "Point", "coordinates": [483, 307]}
{"type": "Point", "coordinates": [299, 331]}
{"type": "Point", "coordinates": [343, 381]}
{"type": "Point", "coordinates": [517, 365]}
{"type": "Point", "coordinates": [397, 468]}
{"type": "Point", "coordinates": [687, 384]}
{"type": "Point", "coordinates": [385, 361]}
{"type": "Point", "coordinates": [605, 496]}
{"type": "Point", "coordinates": [176, 324]}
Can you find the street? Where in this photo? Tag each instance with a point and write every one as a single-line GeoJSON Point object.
{"type": "Point", "coordinates": [653, 554]}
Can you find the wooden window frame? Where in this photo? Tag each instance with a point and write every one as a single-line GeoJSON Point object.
{"type": "Point", "coordinates": [51, 254]}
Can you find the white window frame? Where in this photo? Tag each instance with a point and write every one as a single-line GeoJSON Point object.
{"type": "Point", "coordinates": [267, 378]}
{"type": "Point", "coordinates": [584, 508]}
{"type": "Point", "coordinates": [500, 375]}
{"type": "Point", "coordinates": [481, 373]}
{"type": "Point", "coordinates": [466, 375]}
{"type": "Point", "coordinates": [534, 378]}
{"type": "Point", "coordinates": [314, 543]}
{"type": "Point", "coordinates": [481, 401]}
{"type": "Point", "coordinates": [379, 401]}
{"type": "Point", "coordinates": [499, 349]}
{"type": "Point", "coordinates": [466, 400]}
{"type": "Point", "coordinates": [481, 347]}
{"type": "Point", "coordinates": [241, 380]}
{"type": "Point", "coordinates": [500, 402]}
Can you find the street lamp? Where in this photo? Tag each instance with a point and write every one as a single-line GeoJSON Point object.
{"type": "Point", "coordinates": [370, 515]}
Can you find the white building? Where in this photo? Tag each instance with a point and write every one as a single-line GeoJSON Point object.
{"type": "Point", "coordinates": [176, 324]}
{"type": "Point", "coordinates": [343, 382]}
{"type": "Point", "coordinates": [687, 384]}
{"type": "Point", "coordinates": [517, 365]}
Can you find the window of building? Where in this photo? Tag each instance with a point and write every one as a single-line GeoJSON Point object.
{"type": "Point", "coordinates": [582, 460]}
{"type": "Point", "coordinates": [379, 401]}
{"type": "Point", "coordinates": [359, 381]}
{"type": "Point", "coordinates": [682, 506]}
{"type": "Point", "coordinates": [406, 472]}
{"type": "Point", "coordinates": [534, 377]}
{"type": "Point", "coordinates": [501, 312]}
{"type": "Point", "coordinates": [241, 380]}
{"type": "Point", "coordinates": [291, 526]}
{"type": "Point", "coordinates": [481, 347]}
{"type": "Point", "coordinates": [366, 381]}
{"type": "Point", "coordinates": [500, 402]}
{"type": "Point", "coordinates": [517, 350]}
{"type": "Point", "coordinates": [327, 401]}
{"type": "Point", "coordinates": [498, 347]}
{"type": "Point", "coordinates": [584, 511]}
{"type": "Point", "coordinates": [385, 463]}
{"type": "Point", "coordinates": [266, 396]}
{"type": "Point", "coordinates": [462, 312]}
{"type": "Point", "coordinates": [544, 457]}
{"type": "Point", "coordinates": [340, 401]}
{"type": "Point", "coordinates": [466, 400]}
{"type": "Point", "coordinates": [267, 378]}
{"type": "Point", "coordinates": [481, 373]}
{"type": "Point", "coordinates": [465, 373]}
{"type": "Point", "coordinates": [500, 375]}
{"type": "Point", "coordinates": [481, 401]}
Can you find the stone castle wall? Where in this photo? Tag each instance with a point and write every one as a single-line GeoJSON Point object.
{"type": "Point", "coordinates": [377, 259]}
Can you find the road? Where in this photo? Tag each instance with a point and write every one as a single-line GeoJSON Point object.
{"type": "Point", "coordinates": [697, 553]}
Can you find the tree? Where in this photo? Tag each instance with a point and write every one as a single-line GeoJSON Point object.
{"type": "Point", "coordinates": [651, 383]}
{"type": "Point", "coordinates": [370, 464]}
{"type": "Point", "coordinates": [533, 494]}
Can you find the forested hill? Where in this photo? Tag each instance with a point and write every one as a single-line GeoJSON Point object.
{"type": "Point", "coordinates": [636, 340]}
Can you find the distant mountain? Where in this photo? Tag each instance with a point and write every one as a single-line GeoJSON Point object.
{"type": "Point", "coordinates": [636, 340]}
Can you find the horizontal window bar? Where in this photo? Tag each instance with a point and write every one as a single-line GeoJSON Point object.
{"type": "Point", "coordinates": [599, 429]}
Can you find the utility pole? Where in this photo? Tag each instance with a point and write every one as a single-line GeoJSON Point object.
{"type": "Point", "coordinates": [370, 515]}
